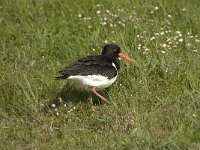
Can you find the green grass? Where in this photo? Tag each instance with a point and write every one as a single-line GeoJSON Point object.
{"type": "Point", "coordinates": [155, 102]}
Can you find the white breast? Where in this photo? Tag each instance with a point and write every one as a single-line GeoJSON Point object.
{"type": "Point", "coordinates": [98, 81]}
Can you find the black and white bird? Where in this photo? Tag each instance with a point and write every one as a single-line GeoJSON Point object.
{"type": "Point", "coordinates": [96, 72]}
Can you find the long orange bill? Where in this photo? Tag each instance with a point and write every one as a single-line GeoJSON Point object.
{"type": "Point", "coordinates": [126, 57]}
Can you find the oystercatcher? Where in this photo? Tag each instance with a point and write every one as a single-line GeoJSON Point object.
{"type": "Point", "coordinates": [96, 72]}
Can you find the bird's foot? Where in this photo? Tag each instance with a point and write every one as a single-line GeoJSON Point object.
{"type": "Point", "coordinates": [100, 96]}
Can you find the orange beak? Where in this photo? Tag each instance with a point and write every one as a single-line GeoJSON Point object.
{"type": "Point", "coordinates": [125, 57]}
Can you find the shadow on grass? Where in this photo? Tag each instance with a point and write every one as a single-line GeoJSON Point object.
{"type": "Point", "coordinates": [72, 94]}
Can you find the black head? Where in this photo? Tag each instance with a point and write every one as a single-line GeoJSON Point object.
{"type": "Point", "coordinates": [111, 50]}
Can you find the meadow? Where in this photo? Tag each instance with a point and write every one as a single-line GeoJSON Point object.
{"type": "Point", "coordinates": [155, 102]}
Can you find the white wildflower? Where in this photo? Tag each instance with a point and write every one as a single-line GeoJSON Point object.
{"type": "Point", "coordinates": [162, 33]}
{"type": "Point", "coordinates": [180, 40]}
{"type": "Point", "coordinates": [103, 23]}
{"type": "Point", "coordinates": [98, 12]}
{"type": "Point", "coordinates": [184, 9]}
{"type": "Point", "coordinates": [107, 11]}
{"type": "Point", "coordinates": [169, 16]}
{"type": "Point", "coordinates": [53, 105]}
{"type": "Point", "coordinates": [156, 8]}
{"type": "Point", "coordinates": [191, 36]}
{"type": "Point", "coordinates": [195, 50]}
{"type": "Point", "coordinates": [177, 32]}
{"type": "Point", "coordinates": [194, 115]}
{"type": "Point", "coordinates": [152, 38]}
{"type": "Point", "coordinates": [164, 45]}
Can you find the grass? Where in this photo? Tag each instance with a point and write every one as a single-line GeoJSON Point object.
{"type": "Point", "coordinates": [155, 102]}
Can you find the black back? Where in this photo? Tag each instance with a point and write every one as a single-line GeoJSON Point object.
{"type": "Point", "coordinates": [95, 65]}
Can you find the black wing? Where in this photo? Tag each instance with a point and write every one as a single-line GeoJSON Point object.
{"type": "Point", "coordinates": [89, 66]}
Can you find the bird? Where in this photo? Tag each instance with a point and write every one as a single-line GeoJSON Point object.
{"type": "Point", "coordinates": [95, 73]}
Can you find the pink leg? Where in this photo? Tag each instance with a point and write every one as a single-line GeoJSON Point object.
{"type": "Point", "coordinates": [91, 102]}
{"type": "Point", "coordinates": [100, 96]}
{"type": "Point", "coordinates": [90, 98]}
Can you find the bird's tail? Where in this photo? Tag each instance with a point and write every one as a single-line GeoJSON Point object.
{"type": "Point", "coordinates": [61, 77]}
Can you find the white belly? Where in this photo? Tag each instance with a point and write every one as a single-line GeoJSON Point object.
{"type": "Point", "coordinates": [98, 81]}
